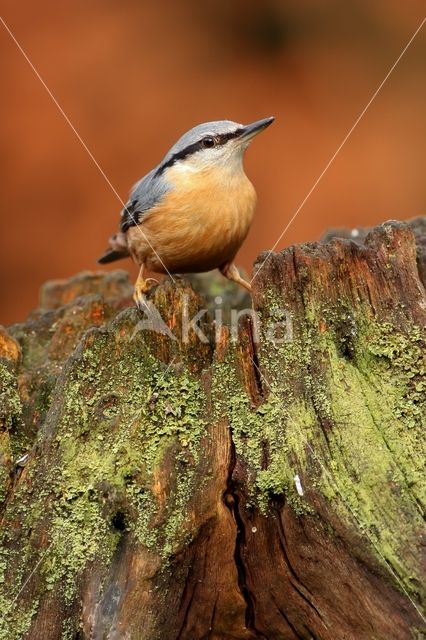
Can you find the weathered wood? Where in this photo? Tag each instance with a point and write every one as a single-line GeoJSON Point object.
{"type": "Point", "coordinates": [227, 490]}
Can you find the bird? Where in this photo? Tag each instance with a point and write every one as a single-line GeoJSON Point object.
{"type": "Point", "coordinates": [191, 212]}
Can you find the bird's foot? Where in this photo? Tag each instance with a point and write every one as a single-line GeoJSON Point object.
{"type": "Point", "coordinates": [230, 271]}
{"type": "Point", "coordinates": [142, 286]}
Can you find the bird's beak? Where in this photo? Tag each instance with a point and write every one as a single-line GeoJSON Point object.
{"type": "Point", "coordinates": [250, 130]}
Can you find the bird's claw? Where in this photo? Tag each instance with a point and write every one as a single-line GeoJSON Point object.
{"type": "Point", "coordinates": [140, 301]}
{"type": "Point", "coordinates": [141, 288]}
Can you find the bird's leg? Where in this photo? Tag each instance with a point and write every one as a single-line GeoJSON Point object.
{"type": "Point", "coordinates": [230, 271]}
{"type": "Point", "coordinates": [141, 287]}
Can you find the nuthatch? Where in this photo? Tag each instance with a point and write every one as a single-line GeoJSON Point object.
{"type": "Point", "coordinates": [192, 212]}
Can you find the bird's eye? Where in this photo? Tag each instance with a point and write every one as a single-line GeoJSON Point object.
{"type": "Point", "coordinates": [208, 142]}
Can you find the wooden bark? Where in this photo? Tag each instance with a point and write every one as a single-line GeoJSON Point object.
{"type": "Point", "coordinates": [158, 487]}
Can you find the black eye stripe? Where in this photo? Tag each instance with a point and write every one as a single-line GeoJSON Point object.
{"type": "Point", "coordinates": [220, 139]}
{"type": "Point", "coordinates": [180, 155]}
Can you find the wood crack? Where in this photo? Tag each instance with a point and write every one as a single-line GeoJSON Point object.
{"type": "Point", "coordinates": [289, 623]}
{"type": "Point", "coordinates": [296, 582]}
{"type": "Point", "coordinates": [191, 581]}
{"type": "Point", "coordinates": [232, 502]}
{"type": "Point", "coordinates": [213, 616]}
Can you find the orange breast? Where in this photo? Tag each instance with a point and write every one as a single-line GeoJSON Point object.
{"type": "Point", "coordinates": [199, 225]}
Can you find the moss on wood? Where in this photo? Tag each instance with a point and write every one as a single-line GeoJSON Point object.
{"type": "Point", "coordinates": [124, 431]}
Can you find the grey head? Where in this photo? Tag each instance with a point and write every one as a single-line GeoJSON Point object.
{"type": "Point", "coordinates": [212, 143]}
{"type": "Point", "coordinates": [221, 142]}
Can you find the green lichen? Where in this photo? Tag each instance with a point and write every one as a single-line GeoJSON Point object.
{"type": "Point", "coordinates": [116, 413]}
{"type": "Point", "coordinates": [174, 531]}
{"type": "Point", "coordinates": [68, 631]}
{"type": "Point", "coordinates": [344, 410]}
{"type": "Point", "coordinates": [10, 402]}
{"type": "Point", "coordinates": [14, 627]}
{"type": "Point", "coordinates": [15, 569]}
{"type": "Point", "coordinates": [270, 438]}
{"type": "Point", "coordinates": [10, 423]}
{"type": "Point", "coordinates": [361, 474]}
{"type": "Point", "coordinates": [124, 423]}
{"type": "Point", "coordinates": [359, 440]}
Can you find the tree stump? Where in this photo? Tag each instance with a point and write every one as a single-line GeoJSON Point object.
{"type": "Point", "coordinates": [259, 484]}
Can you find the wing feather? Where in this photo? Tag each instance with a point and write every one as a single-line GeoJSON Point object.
{"type": "Point", "coordinates": [145, 194]}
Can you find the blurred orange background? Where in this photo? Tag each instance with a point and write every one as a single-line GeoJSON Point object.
{"type": "Point", "coordinates": [133, 76]}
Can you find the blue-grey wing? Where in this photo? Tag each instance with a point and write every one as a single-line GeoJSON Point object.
{"type": "Point", "coordinates": [145, 194]}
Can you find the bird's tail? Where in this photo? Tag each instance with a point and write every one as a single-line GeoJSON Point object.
{"type": "Point", "coordinates": [117, 249]}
